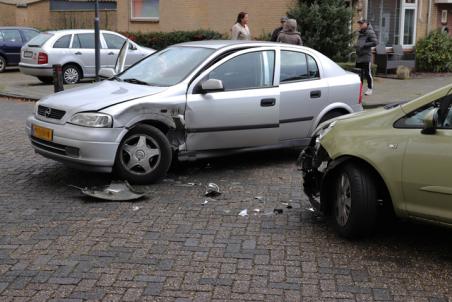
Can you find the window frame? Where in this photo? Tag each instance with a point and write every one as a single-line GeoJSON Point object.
{"type": "Point", "coordinates": [307, 67]}
{"type": "Point", "coordinates": [403, 8]}
{"type": "Point", "coordinates": [202, 77]}
{"type": "Point", "coordinates": [398, 123]}
{"type": "Point", "coordinates": [144, 19]}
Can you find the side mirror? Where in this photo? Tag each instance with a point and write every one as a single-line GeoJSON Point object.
{"type": "Point", "coordinates": [107, 73]}
{"type": "Point", "coordinates": [212, 85]}
{"type": "Point", "coordinates": [430, 122]}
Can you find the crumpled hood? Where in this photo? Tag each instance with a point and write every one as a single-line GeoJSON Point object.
{"type": "Point", "coordinates": [96, 96]}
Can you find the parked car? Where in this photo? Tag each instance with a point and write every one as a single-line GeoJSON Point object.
{"type": "Point", "coordinates": [395, 159]}
{"type": "Point", "coordinates": [11, 41]}
{"type": "Point", "coordinates": [74, 50]}
{"type": "Point", "coordinates": [195, 100]}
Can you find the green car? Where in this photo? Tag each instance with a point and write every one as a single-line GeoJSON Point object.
{"type": "Point", "coordinates": [395, 159]}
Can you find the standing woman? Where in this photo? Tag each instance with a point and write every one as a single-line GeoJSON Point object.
{"type": "Point", "coordinates": [240, 30]}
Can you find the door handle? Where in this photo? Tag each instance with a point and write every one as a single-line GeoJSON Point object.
{"type": "Point", "coordinates": [111, 53]}
{"type": "Point", "coordinates": [316, 94]}
{"type": "Point", "coordinates": [268, 102]}
{"type": "Point", "coordinates": [78, 53]}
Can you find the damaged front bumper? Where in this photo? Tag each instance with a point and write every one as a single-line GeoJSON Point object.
{"type": "Point", "coordinates": [313, 161]}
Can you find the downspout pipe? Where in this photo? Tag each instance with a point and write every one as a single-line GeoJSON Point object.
{"type": "Point", "coordinates": [429, 17]}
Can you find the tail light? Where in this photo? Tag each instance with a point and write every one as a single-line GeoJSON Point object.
{"type": "Point", "coordinates": [43, 58]}
{"type": "Point", "coordinates": [360, 99]}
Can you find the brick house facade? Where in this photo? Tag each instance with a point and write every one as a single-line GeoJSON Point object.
{"type": "Point", "coordinates": [395, 21]}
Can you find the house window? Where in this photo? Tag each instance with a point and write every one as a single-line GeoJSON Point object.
{"type": "Point", "coordinates": [394, 22]}
{"type": "Point", "coordinates": [80, 5]}
{"type": "Point", "coordinates": [144, 10]}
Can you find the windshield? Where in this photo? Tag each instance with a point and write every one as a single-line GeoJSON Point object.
{"type": "Point", "coordinates": [39, 40]}
{"type": "Point", "coordinates": [167, 67]}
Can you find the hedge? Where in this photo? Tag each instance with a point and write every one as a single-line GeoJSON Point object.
{"type": "Point", "coordinates": [434, 53]}
{"type": "Point", "coordinates": [161, 40]}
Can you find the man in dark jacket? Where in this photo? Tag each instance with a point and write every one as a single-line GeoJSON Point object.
{"type": "Point", "coordinates": [277, 31]}
{"type": "Point", "coordinates": [366, 40]}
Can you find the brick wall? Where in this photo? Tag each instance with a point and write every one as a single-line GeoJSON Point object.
{"type": "Point", "coordinates": [7, 15]}
{"type": "Point", "coordinates": [218, 15]}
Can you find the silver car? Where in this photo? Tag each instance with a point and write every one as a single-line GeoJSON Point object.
{"type": "Point", "coordinates": [193, 100]}
{"type": "Point", "coordinates": [74, 50]}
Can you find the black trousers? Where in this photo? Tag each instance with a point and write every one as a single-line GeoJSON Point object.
{"type": "Point", "coordinates": [366, 73]}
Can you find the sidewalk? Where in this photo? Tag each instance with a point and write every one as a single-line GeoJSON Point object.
{"type": "Point", "coordinates": [18, 85]}
{"type": "Point", "coordinates": [386, 90]}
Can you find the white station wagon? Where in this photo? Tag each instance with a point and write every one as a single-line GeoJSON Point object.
{"type": "Point", "coordinates": [74, 50]}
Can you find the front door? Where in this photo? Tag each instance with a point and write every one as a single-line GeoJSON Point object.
{"type": "Point", "coordinates": [245, 113]}
{"type": "Point", "coordinates": [303, 94]}
{"type": "Point", "coordinates": [427, 165]}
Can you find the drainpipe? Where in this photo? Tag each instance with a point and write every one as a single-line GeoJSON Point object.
{"type": "Point", "coordinates": [429, 17]}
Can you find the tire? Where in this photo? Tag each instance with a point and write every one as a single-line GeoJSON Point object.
{"type": "Point", "coordinates": [330, 115]}
{"type": "Point", "coordinates": [2, 64]}
{"type": "Point", "coordinates": [354, 202]}
{"type": "Point", "coordinates": [71, 74]}
{"type": "Point", "coordinates": [46, 80]}
{"type": "Point", "coordinates": [143, 163]}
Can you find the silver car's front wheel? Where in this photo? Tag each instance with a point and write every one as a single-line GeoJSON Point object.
{"type": "Point", "coordinates": [71, 74]}
{"type": "Point", "coordinates": [144, 155]}
{"type": "Point", "coordinates": [354, 200]}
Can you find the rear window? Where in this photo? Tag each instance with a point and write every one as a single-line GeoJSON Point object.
{"type": "Point", "coordinates": [63, 42]}
{"type": "Point", "coordinates": [39, 40]}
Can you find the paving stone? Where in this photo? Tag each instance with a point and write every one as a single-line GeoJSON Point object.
{"type": "Point", "coordinates": [56, 244]}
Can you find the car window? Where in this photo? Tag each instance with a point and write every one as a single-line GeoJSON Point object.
{"type": "Point", "coordinates": [11, 35]}
{"type": "Point", "coordinates": [83, 41]}
{"type": "Point", "coordinates": [113, 41]}
{"type": "Point", "coordinates": [39, 40]}
{"type": "Point", "coordinates": [415, 119]}
{"type": "Point", "coordinates": [63, 42]}
{"type": "Point", "coordinates": [29, 34]}
{"type": "Point", "coordinates": [251, 70]}
{"type": "Point", "coordinates": [296, 66]}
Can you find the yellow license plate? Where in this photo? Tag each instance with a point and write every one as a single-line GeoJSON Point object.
{"type": "Point", "coordinates": [42, 133]}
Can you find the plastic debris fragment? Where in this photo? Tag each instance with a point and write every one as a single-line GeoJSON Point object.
{"type": "Point", "coordinates": [115, 191]}
{"type": "Point", "coordinates": [212, 190]}
{"type": "Point", "coordinates": [243, 213]}
{"type": "Point", "coordinates": [205, 202]}
{"type": "Point", "coordinates": [278, 211]}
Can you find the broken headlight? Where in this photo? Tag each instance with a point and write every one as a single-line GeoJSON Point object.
{"type": "Point", "coordinates": [92, 119]}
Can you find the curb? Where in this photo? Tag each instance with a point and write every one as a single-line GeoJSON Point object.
{"type": "Point", "coordinates": [18, 97]}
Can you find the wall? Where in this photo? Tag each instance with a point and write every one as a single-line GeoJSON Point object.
{"type": "Point", "coordinates": [440, 8]}
{"type": "Point", "coordinates": [7, 15]}
{"type": "Point", "coordinates": [217, 15]}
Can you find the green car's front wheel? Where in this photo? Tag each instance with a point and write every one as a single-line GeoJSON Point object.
{"type": "Point", "coordinates": [354, 201]}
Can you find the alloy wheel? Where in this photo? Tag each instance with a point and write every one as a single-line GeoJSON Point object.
{"type": "Point", "coordinates": [343, 200]}
{"type": "Point", "coordinates": [71, 75]}
{"type": "Point", "coordinates": [140, 154]}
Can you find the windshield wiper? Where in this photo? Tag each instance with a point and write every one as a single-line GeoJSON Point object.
{"type": "Point", "coordinates": [116, 78]}
{"type": "Point", "coordinates": [136, 81]}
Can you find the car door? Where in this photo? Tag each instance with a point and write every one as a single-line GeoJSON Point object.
{"type": "Point", "coordinates": [83, 50]}
{"type": "Point", "coordinates": [303, 93]}
{"type": "Point", "coordinates": [109, 54]}
{"type": "Point", "coordinates": [245, 113]}
{"type": "Point", "coordinates": [11, 45]}
{"type": "Point", "coordinates": [427, 165]}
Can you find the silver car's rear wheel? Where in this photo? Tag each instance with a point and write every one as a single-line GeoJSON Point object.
{"type": "Point", "coordinates": [144, 155]}
{"type": "Point", "coordinates": [354, 200]}
{"type": "Point", "coordinates": [71, 74]}
{"type": "Point", "coordinates": [2, 64]}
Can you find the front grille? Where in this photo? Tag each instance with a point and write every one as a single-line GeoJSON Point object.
{"type": "Point", "coordinates": [54, 147]}
{"type": "Point", "coordinates": [50, 112]}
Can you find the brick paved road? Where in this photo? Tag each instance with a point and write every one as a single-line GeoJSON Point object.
{"type": "Point", "coordinates": [56, 245]}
